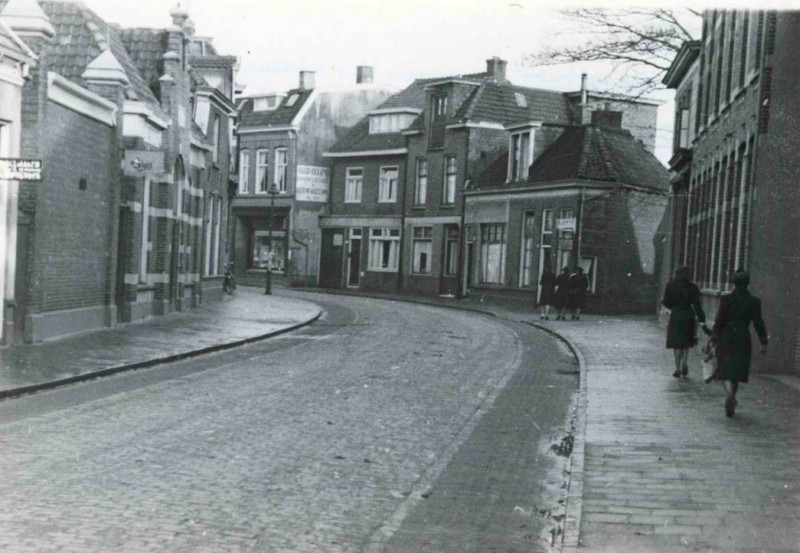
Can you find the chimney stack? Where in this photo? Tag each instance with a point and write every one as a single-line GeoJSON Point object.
{"type": "Point", "coordinates": [497, 69]}
{"type": "Point", "coordinates": [307, 79]}
{"type": "Point", "coordinates": [364, 74]}
{"type": "Point", "coordinates": [584, 91]}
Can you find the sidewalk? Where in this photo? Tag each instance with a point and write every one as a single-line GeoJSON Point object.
{"type": "Point", "coordinates": [245, 317]}
{"type": "Point", "coordinates": [656, 466]}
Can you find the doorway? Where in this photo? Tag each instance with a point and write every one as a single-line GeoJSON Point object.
{"type": "Point", "coordinates": [354, 258]}
{"type": "Point", "coordinates": [331, 267]}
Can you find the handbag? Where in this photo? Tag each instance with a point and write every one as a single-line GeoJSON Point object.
{"type": "Point", "coordinates": [709, 362]}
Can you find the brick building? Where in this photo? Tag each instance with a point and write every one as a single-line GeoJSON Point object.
{"type": "Point", "coordinates": [281, 140]}
{"type": "Point", "coordinates": [110, 113]}
{"type": "Point", "coordinates": [435, 138]}
{"type": "Point", "coordinates": [15, 61]}
{"type": "Point", "coordinates": [595, 198]}
{"type": "Point", "coordinates": [742, 204]}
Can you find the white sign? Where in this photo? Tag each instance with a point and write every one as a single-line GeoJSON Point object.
{"type": "Point", "coordinates": [566, 224]}
{"type": "Point", "coordinates": [312, 184]}
{"type": "Point", "coordinates": [20, 169]}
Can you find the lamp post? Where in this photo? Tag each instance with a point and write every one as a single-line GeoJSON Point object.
{"type": "Point", "coordinates": [273, 190]}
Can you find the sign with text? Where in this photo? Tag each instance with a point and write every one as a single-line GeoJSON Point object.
{"type": "Point", "coordinates": [566, 224]}
{"type": "Point", "coordinates": [20, 169]}
{"type": "Point", "coordinates": [143, 163]}
{"type": "Point", "coordinates": [312, 184]}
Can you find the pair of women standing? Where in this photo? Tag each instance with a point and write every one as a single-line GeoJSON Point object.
{"type": "Point", "coordinates": [731, 333]}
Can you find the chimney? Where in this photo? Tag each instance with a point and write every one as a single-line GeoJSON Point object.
{"type": "Point", "coordinates": [363, 74]}
{"type": "Point", "coordinates": [307, 80]}
{"type": "Point", "coordinates": [497, 69]}
{"type": "Point", "coordinates": [584, 91]}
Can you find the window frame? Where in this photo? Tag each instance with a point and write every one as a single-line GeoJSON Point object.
{"type": "Point", "coordinates": [281, 169]}
{"type": "Point", "coordinates": [379, 239]}
{"type": "Point", "coordinates": [493, 234]}
{"type": "Point", "coordinates": [519, 158]}
{"type": "Point", "coordinates": [527, 249]}
{"type": "Point", "coordinates": [244, 171]}
{"type": "Point", "coordinates": [449, 180]}
{"type": "Point", "coordinates": [421, 236]}
{"type": "Point", "coordinates": [387, 193]}
{"type": "Point", "coordinates": [357, 182]}
{"type": "Point", "coordinates": [421, 182]}
{"type": "Point", "coordinates": [262, 170]}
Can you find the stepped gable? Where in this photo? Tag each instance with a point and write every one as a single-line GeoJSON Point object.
{"type": "Point", "coordinates": [593, 152]}
{"type": "Point", "coordinates": [281, 116]}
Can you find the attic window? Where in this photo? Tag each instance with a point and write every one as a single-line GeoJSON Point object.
{"type": "Point", "coordinates": [266, 103]}
{"type": "Point", "coordinates": [521, 100]}
{"type": "Point", "coordinates": [292, 99]}
{"type": "Point", "coordinates": [390, 122]}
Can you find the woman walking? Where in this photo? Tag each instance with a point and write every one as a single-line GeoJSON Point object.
{"type": "Point", "coordinates": [682, 298]}
{"type": "Point", "coordinates": [547, 295]}
{"type": "Point", "coordinates": [578, 285]}
{"type": "Point", "coordinates": [731, 336]}
{"type": "Point", "coordinates": [562, 293]}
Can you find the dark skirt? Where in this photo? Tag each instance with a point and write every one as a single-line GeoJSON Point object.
{"type": "Point", "coordinates": [548, 295]}
{"type": "Point", "coordinates": [562, 297]}
{"type": "Point", "coordinates": [681, 329]}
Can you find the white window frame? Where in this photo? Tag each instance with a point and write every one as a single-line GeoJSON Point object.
{"type": "Point", "coordinates": [449, 180]}
{"type": "Point", "coordinates": [527, 249]}
{"type": "Point", "coordinates": [353, 184]}
{"type": "Point", "coordinates": [520, 155]}
{"type": "Point", "coordinates": [244, 171]}
{"type": "Point", "coordinates": [281, 165]}
{"type": "Point", "coordinates": [492, 250]}
{"type": "Point", "coordinates": [267, 103]}
{"type": "Point", "coordinates": [451, 241]}
{"type": "Point", "coordinates": [563, 257]}
{"type": "Point", "coordinates": [387, 187]}
{"type": "Point", "coordinates": [421, 183]}
{"type": "Point", "coordinates": [589, 266]}
{"type": "Point", "coordinates": [422, 243]}
{"type": "Point", "coordinates": [383, 241]}
{"type": "Point", "coordinates": [262, 170]}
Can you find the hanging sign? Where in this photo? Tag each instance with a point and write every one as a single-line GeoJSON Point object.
{"type": "Point", "coordinates": [20, 169]}
{"type": "Point", "coordinates": [143, 163]}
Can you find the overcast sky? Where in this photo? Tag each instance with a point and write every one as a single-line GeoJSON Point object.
{"type": "Point", "coordinates": [402, 40]}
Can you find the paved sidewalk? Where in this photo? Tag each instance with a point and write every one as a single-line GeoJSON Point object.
{"type": "Point", "coordinates": [247, 316]}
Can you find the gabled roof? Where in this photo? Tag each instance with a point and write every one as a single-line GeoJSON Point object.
{"type": "Point", "coordinates": [593, 152]}
{"type": "Point", "coordinates": [586, 153]}
{"type": "Point", "coordinates": [146, 48]}
{"type": "Point", "coordinates": [282, 116]}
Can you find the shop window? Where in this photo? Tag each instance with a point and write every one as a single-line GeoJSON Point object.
{"type": "Point", "coordinates": [493, 253]}
{"type": "Point", "coordinates": [384, 249]}
{"type": "Point", "coordinates": [422, 250]}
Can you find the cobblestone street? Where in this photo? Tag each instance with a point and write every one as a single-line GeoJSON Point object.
{"type": "Point", "coordinates": [323, 445]}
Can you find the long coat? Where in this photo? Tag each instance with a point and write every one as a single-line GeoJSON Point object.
{"type": "Point", "coordinates": [548, 290]}
{"type": "Point", "coordinates": [732, 334]}
{"type": "Point", "coordinates": [578, 284]}
{"type": "Point", "coordinates": [562, 292]}
{"type": "Point", "coordinates": [682, 298]}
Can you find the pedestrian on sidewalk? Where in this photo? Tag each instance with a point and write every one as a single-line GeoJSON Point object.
{"type": "Point", "coordinates": [562, 293]}
{"type": "Point", "coordinates": [578, 285]}
{"type": "Point", "coordinates": [731, 336]}
{"type": "Point", "coordinates": [547, 292]}
{"type": "Point", "coordinates": [682, 299]}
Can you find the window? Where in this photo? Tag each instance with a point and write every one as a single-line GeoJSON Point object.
{"type": "Point", "coordinates": [449, 192]}
{"type": "Point", "coordinates": [493, 253]}
{"type": "Point", "coordinates": [244, 171]}
{"type": "Point", "coordinates": [439, 106]}
{"type": "Point", "coordinates": [352, 184]}
{"type": "Point", "coordinates": [566, 230]}
{"type": "Point", "coordinates": [528, 243]}
{"type": "Point", "coordinates": [521, 100]}
{"type": "Point", "coordinates": [280, 169]}
{"type": "Point", "coordinates": [387, 189]}
{"type": "Point", "coordinates": [147, 244]}
{"type": "Point", "coordinates": [546, 242]}
{"type": "Point", "coordinates": [384, 249]}
{"type": "Point", "coordinates": [390, 122]}
{"type": "Point", "coordinates": [451, 251]}
{"type": "Point", "coordinates": [589, 265]}
{"type": "Point", "coordinates": [262, 166]}
{"type": "Point", "coordinates": [519, 156]}
{"type": "Point", "coordinates": [422, 249]}
{"type": "Point", "coordinates": [421, 188]}
{"type": "Point", "coordinates": [267, 103]}
{"type": "Point", "coordinates": [215, 145]}
{"type": "Point", "coordinates": [292, 100]}
{"type": "Point", "coordinates": [683, 135]}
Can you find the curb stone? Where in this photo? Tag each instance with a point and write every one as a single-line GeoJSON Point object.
{"type": "Point", "coordinates": [91, 375]}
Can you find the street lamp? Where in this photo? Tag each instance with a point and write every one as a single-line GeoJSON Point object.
{"type": "Point", "coordinates": [273, 190]}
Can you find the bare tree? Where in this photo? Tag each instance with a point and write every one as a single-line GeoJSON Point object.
{"type": "Point", "coordinates": [640, 43]}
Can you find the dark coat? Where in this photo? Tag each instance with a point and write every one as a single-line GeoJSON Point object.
{"type": "Point", "coordinates": [682, 298]}
{"type": "Point", "coordinates": [548, 290]}
{"type": "Point", "coordinates": [732, 334]}
{"type": "Point", "coordinates": [562, 290]}
{"type": "Point", "coordinates": [578, 284]}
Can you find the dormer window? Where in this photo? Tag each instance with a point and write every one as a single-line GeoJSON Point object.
{"type": "Point", "coordinates": [267, 103]}
{"type": "Point", "coordinates": [520, 150]}
{"type": "Point", "coordinates": [292, 99]}
{"type": "Point", "coordinates": [390, 122]}
{"type": "Point", "coordinates": [521, 100]}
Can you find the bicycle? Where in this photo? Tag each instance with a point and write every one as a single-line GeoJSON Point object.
{"type": "Point", "coordinates": [229, 282]}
